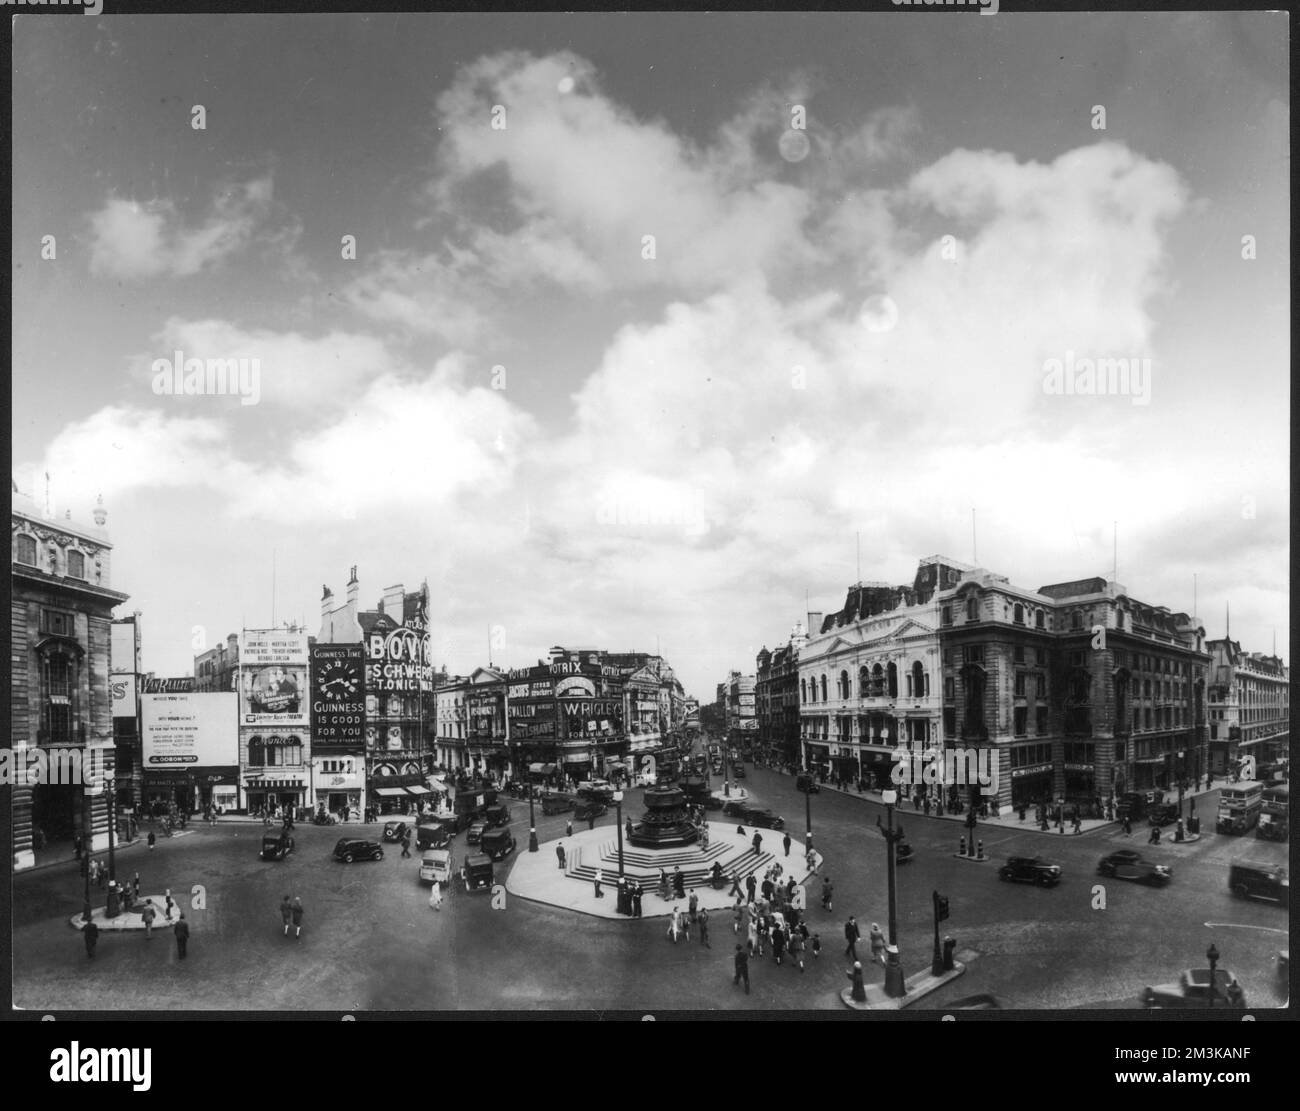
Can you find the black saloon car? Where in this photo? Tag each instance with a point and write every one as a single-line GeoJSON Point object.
{"type": "Point", "coordinates": [1129, 865]}
{"type": "Point", "coordinates": [1030, 869]}
{"type": "Point", "coordinates": [764, 819]}
{"type": "Point", "coordinates": [395, 831]}
{"type": "Point", "coordinates": [350, 849]}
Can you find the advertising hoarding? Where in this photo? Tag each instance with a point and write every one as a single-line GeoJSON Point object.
{"type": "Point", "coordinates": [338, 698]}
{"type": "Point", "coordinates": [122, 690]}
{"type": "Point", "coordinates": [273, 679]}
{"type": "Point", "coordinates": [182, 732]}
{"type": "Point", "coordinates": [121, 648]}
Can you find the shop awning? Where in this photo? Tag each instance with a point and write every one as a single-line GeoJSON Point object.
{"type": "Point", "coordinates": [541, 769]}
{"type": "Point", "coordinates": [577, 757]}
{"type": "Point", "coordinates": [389, 792]}
{"type": "Point", "coordinates": [417, 790]}
{"type": "Point", "coordinates": [272, 784]}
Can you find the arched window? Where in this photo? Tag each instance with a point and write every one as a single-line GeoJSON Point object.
{"type": "Point", "coordinates": [877, 681]}
{"type": "Point", "coordinates": [803, 690]}
{"type": "Point", "coordinates": [823, 688]}
{"type": "Point", "coordinates": [893, 680]}
{"type": "Point", "coordinates": [293, 751]}
{"type": "Point", "coordinates": [918, 680]}
{"type": "Point", "coordinates": [972, 608]}
{"type": "Point", "coordinates": [1038, 619]}
{"type": "Point", "coordinates": [25, 550]}
{"type": "Point", "coordinates": [76, 565]}
{"type": "Point", "coordinates": [256, 752]}
{"type": "Point", "coordinates": [1018, 614]}
{"type": "Point", "coordinates": [844, 684]}
{"type": "Point", "coordinates": [863, 682]}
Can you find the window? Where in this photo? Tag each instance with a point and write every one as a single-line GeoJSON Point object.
{"type": "Point", "coordinates": [1022, 721]}
{"type": "Point", "coordinates": [973, 654]}
{"type": "Point", "coordinates": [256, 752]}
{"type": "Point", "coordinates": [1078, 753]}
{"type": "Point", "coordinates": [1146, 688]}
{"type": "Point", "coordinates": [947, 610]}
{"type": "Point", "coordinates": [803, 690]}
{"type": "Point", "coordinates": [1038, 619]}
{"type": "Point", "coordinates": [973, 680]}
{"type": "Point", "coordinates": [823, 688]}
{"type": "Point", "coordinates": [1137, 720]}
{"type": "Point", "coordinates": [893, 680]}
{"type": "Point", "coordinates": [918, 680]}
{"type": "Point", "coordinates": [1018, 614]}
{"type": "Point", "coordinates": [949, 687]}
{"type": "Point", "coordinates": [76, 565]}
{"type": "Point", "coordinates": [863, 682]}
{"type": "Point", "coordinates": [950, 721]}
{"type": "Point", "coordinates": [25, 550]}
{"type": "Point", "coordinates": [1018, 653]}
{"type": "Point", "coordinates": [1040, 721]}
{"type": "Point", "coordinates": [1020, 684]}
{"type": "Point", "coordinates": [877, 681]}
{"type": "Point", "coordinates": [1040, 657]}
{"type": "Point", "coordinates": [1076, 620]}
{"type": "Point", "coordinates": [1148, 717]}
{"type": "Point", "coordinates": [59, 622]}
{"type": "Point", "coordinates": [1040, 686]}
{"type": "Point", "coordinates": [972, 609]}
{"type": "Point", "coordinates": [1119, 751]}
{"type": "Point", "coordinates": [844, 684]}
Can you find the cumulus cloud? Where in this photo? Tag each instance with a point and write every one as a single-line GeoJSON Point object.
{"type": "Point", "coordinates": [134, 241]}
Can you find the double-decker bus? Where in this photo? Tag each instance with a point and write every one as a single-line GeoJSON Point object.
{"type": "Point", "coordinates": [1239, 806]}
{"type": "Point", "coordinates": [1274, 815]}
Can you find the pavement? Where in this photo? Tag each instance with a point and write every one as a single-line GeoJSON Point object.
{"type": "Point", "coordinates": [129, 920]}
{"type": "Point", "coordinates": [537, 876]}
{"type": "Point", "coordinates": [918, 987]}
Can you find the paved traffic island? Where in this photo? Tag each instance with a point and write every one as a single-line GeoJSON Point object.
{"type": "Point", "coordinates": [918, 986]}
{"type": "Point", "coordinates": [539, 877]}
{"type": "Point", "coordinates": [130, 919]}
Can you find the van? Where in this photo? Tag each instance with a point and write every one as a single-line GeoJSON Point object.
{"type": "Point", "coordinates": [436, 866]}
{"type": "Point", "coordinates": [477, 873]}
{"type": "Point", "coordinates": [1259, 881]}
{"type": "Point", "coordinates": [497, 844]}
{"type": "Point", "coordinates": [433, 835]}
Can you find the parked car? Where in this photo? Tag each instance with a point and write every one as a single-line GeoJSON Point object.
{"type": "Point", "coordinates": [1192, 989]}
{"type": "Point", "coordinates": [1259, 881]}
{"type": "Point", "coordinates": [476, 830]}
{"type": "Point", "coordinates": [556, 804]}
{"type": "Point", "coordinates": [764, 819]}
{"type": "Point", "coordinates": [276, 846]}
{"type": "Point", "coordinates": [395, 831]}
{"type": "Point", "coordinates": [350, 849]}
{"type": "Point", "coordinates": [477, 873]}
{"type": "Point", "coordinates": [436, 866]}
{"type": "Point", "coordinates": [807, 783]}
{"type": "Point", "coordinates": [497, 844]}
{"type": "Point", "coordinates": [1030, 869]}
{"type": "Point", "coordinates": [1129, 865]}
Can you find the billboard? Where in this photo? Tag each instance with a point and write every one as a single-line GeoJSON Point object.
{"type": "Point", "coordinates": [121, 648]}
{"type": "Point", "coordinates": [122, 689]}
{"type": "Point", "coordinates": [399, 662]}
{"type": "Point", "coordinates": [273, 679]}
{"type": "Point", "coordinates": [181, 732]}
{"type": "Point", "coordinates": [338, 698]}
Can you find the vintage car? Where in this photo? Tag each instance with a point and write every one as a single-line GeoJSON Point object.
{"type": "Point", "coordinates": [436, 866]}
{"type": "Point", "coordinates": [477, 828]}
{"type": "Point", "coordinates": [1030, 869]}
{"type": "Point", "coordinates": [585, 809]}
{"type": "Point", "coordinates": [1129, 865]}
{"type": "Point", "coordinates": [497, 815]}
{"type": "Point", "coordinates": [497, 844]}
{"type": "Point", "coordinates": [350, 849]}
{"type": "Point", "coordinates": [1163, 814]}
{"type": "Point", "coordinates": [1259, 881]}
{"type": "Point", "coordinates": [433, 835]}
{"type": "Point", "coordinates": [738, 771]}
{"type": "Point", "coordinates": [1192, 989]}
{"type": "Point", "coordinates": [276, 846]}
{"type": "Point", "coordinates": [807, 783]}
{"type": "Point", "coordinates": [477, 873]}
{"type": "Point", "coordinates": [396, 830]}
{"type": "Point", "coordinates": [763, 819]}
{"type": "Point", "coordinates": [597, 791]}
{"type": "Point", "coordinates": [556, 804]}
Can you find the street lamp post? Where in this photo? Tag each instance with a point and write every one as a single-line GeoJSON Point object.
{"type": "Point", "coordinates": [1212, 955]}
{"type": "Point", "coordinates": [894, 983]}
{"type": "Point", "coordinates": [111, 786]}
{"type": "Point", "coordinates": [807, 805]}
{"type": "Point", "coordinates": [618, 803]}
{"type": "Point", "coordinates": [87, 837]}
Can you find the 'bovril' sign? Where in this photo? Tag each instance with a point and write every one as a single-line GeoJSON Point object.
{"type": "Point", "coordinates": [399, 661]}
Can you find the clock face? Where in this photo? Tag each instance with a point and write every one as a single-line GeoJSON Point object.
{"type": "Point", "coordinates": [338, 683]}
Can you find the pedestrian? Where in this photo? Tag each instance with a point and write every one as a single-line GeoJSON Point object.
{"type": "Point", "coordinates": [1154, 839]}
{"type": "Point", "coordinates": [926, 804]}
{"type": "Point", "coordinates": [1078, 823]}
{"type": "Point", "coordinates": [778, 942]}
{"type": "Point", "coordinates": [767, 887]}
{"type": "Point", "coordinates": [694, 906]}
{"type": "Point", "coordinates": [559, 854]}
{"type": "Point", "coordinates": [679, 883]}
{"type": "Point", "coordinates": [735, 917]}
{"type": "Point", "coordinates": [816, 945]}
{"type": "Point", "coordinates": [735, 886]}
{"type": "Point", "coordinates": [182, 932]}
{"type": "Point", "coordinates": [704, 928]}
{"type": "Point", "coordinates": [852, 934]}
{"type": "Point", "coordinates": [636, 898]}
{"type": "Point", "coordinates": [828, 893]}
{"type": "Point", "coordinates": [622, 903]}
{"type": "Point", "coordinates": [591, 819]}
{"type": "Point", "coordinates": [664, 892]}
{"type": "Point", "coordinates": [797, 947]}
{"type": "Point", "coordinates": [600, 878]}
{"type": "Point", "coordinates": [629, 829]}
{"type": "Point", "coordinates": [1128, 826]}
{"type": "Point", "coordinates": [758, 842]}
{"type": "Point", "coordinates": [90, 935]}
{"type": "Point", "coordinates": [786, 842]}
{"type": "Point", "coordinates": [168, 904]}
{"type": "Point", "coordinates": [406, 844]}
{"type": "Point", "coordinates": [674, 924]}
{"type": "Point", "coordinates": [435, 896]}
{"type": "Point", "coordinates": [568, 828]}
{"type": "Point", "coordinates": [152, 839]}
{"type": "Point", "coordinates": [741, 962]}
{"type": "Point", "coordinates": [754, 938]}
{"type": "Point", "coordinates": [76, 846]}
{"type": "Point", "coordinates": [286, 914]}
{"type": "Point", "coordinates": [751, 885]}
{"type": "Point", "coordinates": [877, 943]}
{"type": "Point", "coordinates": [297, 916]}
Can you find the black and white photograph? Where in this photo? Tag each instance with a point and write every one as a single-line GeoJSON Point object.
{"type": "Point", "coordinates": [729, 514]}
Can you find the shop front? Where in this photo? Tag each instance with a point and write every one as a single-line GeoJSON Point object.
{"type": "Point", "coordinates": [276, 794]}
{"type": "Point", "coordinates": [577, 765]}
{"type": "Point", "coordinates": [1031, 785]}
{"type": "Point", "coordinates": [1081, 788]}
{"type": "Point", "coordinates": [1148, 771]}
{"type": "Point", "coordinates": [336, 790]}
{"type": "Point", "coordinates": [398, 789]}
{"type": "Point", "coordinates": [169, 792]}
{"type": "Point", "coordinates": [818, 758]}
{"type": "Point", "coordinates": [878, 767]}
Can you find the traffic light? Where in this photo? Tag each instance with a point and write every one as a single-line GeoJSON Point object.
{"type": "Point", "coordinates": [941, 907]}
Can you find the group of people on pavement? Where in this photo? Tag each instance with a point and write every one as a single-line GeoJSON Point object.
{"type": "Point", "coordinates": [696, 918]}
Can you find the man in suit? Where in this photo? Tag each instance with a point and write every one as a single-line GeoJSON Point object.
{"type": "Point", "coordinates": [742, 967]}
{"type": "Point", "coordinates": [182, 932]}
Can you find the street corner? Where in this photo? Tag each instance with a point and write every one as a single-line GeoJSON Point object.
{"type": "Point", "coordinates": [917, 987]}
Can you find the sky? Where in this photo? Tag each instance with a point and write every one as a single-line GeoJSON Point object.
{"type": "Point", "coordinates": [646, 318]}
